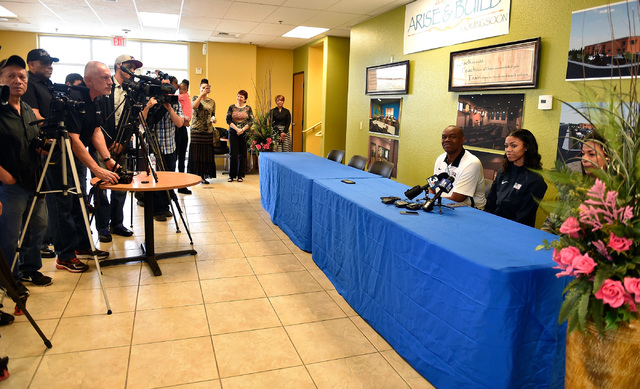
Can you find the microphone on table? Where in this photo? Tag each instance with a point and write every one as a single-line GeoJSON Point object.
{"type": "Point", "coordinates": [432, 183]}
{"type": "Point", "coordinates": [444, 186]}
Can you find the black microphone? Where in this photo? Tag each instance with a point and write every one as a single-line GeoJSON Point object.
{"type": "Point", "coordinates": [444, 186]}
{"type": "Point", "coordinates": [415, 191]}
{"type": "Point", "coordinates": [432, 183]}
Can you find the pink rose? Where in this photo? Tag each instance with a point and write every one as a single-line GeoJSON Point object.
{"type": "Point", "coordinates": [632, 285]}
{"type": "Point", "coordinates": [612, 293]}
{"type": "Point", "coordinates": [583, 264]}
{"type": "Point", "coordinates": [632, 305]}
{"type": "Point", "coordinates": [269, 140]}
{"type": "Point", "coordinates": [266, 147]}
{"type": "Point", "coordinates": [571, 227]}
{"type": "Point", "coordinates": [258, 147]}
{"type": "Point", "coordinates": [619, 244]}
{"type": "Point", "coordinates": [254, 142]}
{"type": "Point", "coordinates": [566, 256]}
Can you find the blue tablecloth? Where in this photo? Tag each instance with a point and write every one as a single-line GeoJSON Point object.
{"type": "Point", "coordinates": [286, 181]}
{"type": "Point", "coordinates": [461, 295]}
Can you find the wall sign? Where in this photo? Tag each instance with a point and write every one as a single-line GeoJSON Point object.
{"type": "Point", "coordinates": [429, 24]}
{"type": "Point", "coordinates": [505, 66]}
{"type": "Point", "coordinates": [389, 79]}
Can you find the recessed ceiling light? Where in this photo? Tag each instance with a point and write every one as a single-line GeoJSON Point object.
{"type": "Point", "coordinates": [305, 32]}
{"type": "Point", "coordinates": [152, 19]}
{"type": "Point", "coordinates": [5, 13]}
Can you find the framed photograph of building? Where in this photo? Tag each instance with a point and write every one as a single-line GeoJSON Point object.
{"type": "Point", "coordinates": [388, 79]}
{"type": "Point", "coordinates": [487, 119]}
{"type": "Point", "coordinates": [384, 116]}
{"type": "Point", "coordinates": [384, 149]}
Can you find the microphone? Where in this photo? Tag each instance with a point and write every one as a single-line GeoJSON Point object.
{"type": "Point", "coordinates": [435, 179]}
{"type": "Point", "coordinates": [415, 191]}
{"type": "Point", "coordinates": [444, 186]}
{"type": "Point", "coordinates": [432, 183]}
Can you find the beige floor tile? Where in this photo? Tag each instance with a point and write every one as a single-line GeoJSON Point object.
{"type": "Point", "coordinates": [91, 301]}
{"type": "Point", "coordinates": [113, 276]}
{"type": "Point", "coordinates": [174, 362]}
{"type": "Point", "coordinates": [229, 289]}
{"type": "Point", "coordinates": [279, 284]}
{"type": "Point", "coordinates": [376, 339]}
{"type": "Point", "coordinates": [292, 246]}
{"type": "Point", "coordinates": [171, 272]}
{"type": "Point", "coordinates": [289, 378]}
{"type": "Point", "coordinates": [92, 332]}
{"type": "Point", "coordinates": [164, 324]}
{"type": "Point", "coordinates": [253, 235]}
{"type": "Point", "coordinates": [243, 315]}
{"type": "Point", "coordinates": [342, 303]}
{"type": "Point", "coordinates": [306, 260]}
{"type": "Point", "coordinates": [43, 306]}
{"type": "Point", "coordinates": [21, 340]}
{"type": "Point", "coordinates": [322, 279]}
{"type": "Point", "coordinates": [213, 238]}
{"type": "Point", "coordinates": [365, 371]}
{"type": "Point", "coordinates": [100, 369]}
{"type": "Point", "coordinates": [213, 384]}
{"type": "Point", "coordinates": [21, 372]}
{"type": "Point", "coordinates": [175, 294]}
{"type": "Point", "coordinates": [412, 377]}
{"type": "Point", "coordinates": [211, 252]}
{"type": "Point", "coordinates": [275, 264]}
{"type": "Point", "coordinates": [212, 226]}
{"type": "Point", "coordinates": [247, 224]}
{"type": "Point", "coordinates": [254, 351]}
{"type": "Point", "coordinates": [306, 308]}
{"type": "Point", "coordinates": [62, 282]}
{"type": "Point", "coordinates": [330, 339]}
{"type": "Point", "coordinates": [237, 215]}
{"type": "Point", "coordinates": [222, 268]}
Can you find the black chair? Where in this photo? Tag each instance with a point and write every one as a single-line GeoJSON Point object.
{"type": "Point", "coordinates": [336, 155]}
{"type": "Point", "coordinates": [358, 162]}
{"type": "Point", "coordinates": [381, 168]}
{"type": "Point", "coordinates": [221, 147]}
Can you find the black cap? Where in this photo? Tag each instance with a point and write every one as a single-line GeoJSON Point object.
{"type": "Point", "coordinates": [13, 60]}
{"type": "Point", "coordinates": [40, 55]}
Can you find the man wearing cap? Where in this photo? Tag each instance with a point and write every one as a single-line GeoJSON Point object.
{"type": "Point", "coordinates": [38, 95]}
{"type": "Point", "coordinates": [19, 173]}
{"type": "Point", "coordinates": [110, 214]}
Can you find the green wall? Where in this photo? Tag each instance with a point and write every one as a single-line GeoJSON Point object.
{"type": "Point", "coordinates": [429, 107]}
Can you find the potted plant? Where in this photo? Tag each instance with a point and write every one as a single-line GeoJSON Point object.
{"type": "Point", "coordinates": [262, 135]}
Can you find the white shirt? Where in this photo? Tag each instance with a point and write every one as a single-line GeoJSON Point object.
{"type": "Point", "coordinates": [469, 178]}
{"type": "Point", "coordinates": [118, 98]}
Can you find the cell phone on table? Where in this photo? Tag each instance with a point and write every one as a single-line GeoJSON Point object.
{"type": "Point", "coordinates": [348, 181]}
{"type": "Point", "coordinates": [408, 212]}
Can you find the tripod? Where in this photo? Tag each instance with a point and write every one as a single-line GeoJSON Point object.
{"type": "Point", "coordinates": [62, 138]}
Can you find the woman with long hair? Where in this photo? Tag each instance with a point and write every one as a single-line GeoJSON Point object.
{"type": "Point", "coordinates": [517, 189]}
{"type": "Point", "coordinates": [201, 159]}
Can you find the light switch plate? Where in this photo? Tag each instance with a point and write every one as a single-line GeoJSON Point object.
{"type": "Point", "coordinates": [545, 102]}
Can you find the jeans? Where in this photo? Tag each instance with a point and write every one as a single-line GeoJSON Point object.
{"type": "Point", "coordinates": [238, 154]}
{"type": "Point", "coordinates": [65, 214]}
{"type": "Point", "coordinates": [182, 138]}
{"type": "Point", "coordinates": [160, 199]}
{"type": "Point", "coordinates": [16, 202]}
{"type": "Point", "coordinates": [109, 212]}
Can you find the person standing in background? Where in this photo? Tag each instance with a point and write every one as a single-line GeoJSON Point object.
{"type": "Point", "coordinates": [201, 157]}
{"type": "Point", "coordinates": [239, 119]}
{"type": "Point", "coordinates": [182, 137]}
{"type": "Point", "coordinates": [281, 120]}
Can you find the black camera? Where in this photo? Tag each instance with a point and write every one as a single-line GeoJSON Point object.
{"type": "Point", "coordinates": [5, 91]}
{"type": "Point", "coordinates": [163, 93]}
{"type": "Point", "coordinates": [125, 176]}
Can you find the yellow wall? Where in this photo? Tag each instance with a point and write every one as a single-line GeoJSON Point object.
{"type": "Point", "coordinates": [314, 97]}
{"type": "Point", "coordinates": [17, 43]}
{"type": "Point", "coordinates": [336, 80]}
{"type": "Point", "coordinates": [280, 63]}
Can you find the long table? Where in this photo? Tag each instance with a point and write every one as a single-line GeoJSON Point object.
{"type": "Point", "coordinates": [286, 181]}
{"type": "Point", "coordinates": [461, 295]}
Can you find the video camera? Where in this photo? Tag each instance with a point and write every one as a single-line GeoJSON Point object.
{"type": "Point", "coordinates": [149, 87]}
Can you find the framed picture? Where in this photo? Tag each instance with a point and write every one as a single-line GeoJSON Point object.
{"type": "Point", "coordinates": [389, 79]}
{"type": "Point", "coordinates": [384, 149]}
{"type": "Point", "coordinates": [384, 116]}
{"type": "Point", "coordinates": [504, 66]}
{"type": "Point", "coordinates": [373, 150]}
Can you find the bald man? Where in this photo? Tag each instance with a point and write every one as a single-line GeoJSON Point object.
{"type": "Point", "coordinates": [463, 166]}
{"type": "Point", "coordinates": [69, 233]}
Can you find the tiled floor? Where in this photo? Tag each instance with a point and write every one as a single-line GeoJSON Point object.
{"type": "Point", "coordinates": [251, 310]}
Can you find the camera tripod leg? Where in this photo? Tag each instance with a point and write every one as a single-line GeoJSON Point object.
{"type": "Point", "coordinates": [85, 217]}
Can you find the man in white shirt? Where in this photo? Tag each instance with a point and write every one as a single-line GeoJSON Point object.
{"type": "Point", "coordinates": [463, 166]}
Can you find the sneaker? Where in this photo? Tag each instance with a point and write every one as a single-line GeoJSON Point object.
{"type": "Point", "coordinates": [159, 217]}
{"type": "Point", "coordinates": [184, 191]}
{"type": "Point", "coordinates": [6, 318]}
{"type": "Point", "coordinates": [121, 230]}
{"type": "Point", "coordinates": [73, 265]}
{"type": "Point", "coordinates": [46, 252]}
{"type": "Point", "coordinates": [36, 278]}
{"type": "Point", "coordinates": [87, 254]}
{"type": "Point", "coordinates": [20, 289]}
{"type": "Point", "coordinates": [104, 235]}
{"type": "Point", "coordinates": [168, 213]}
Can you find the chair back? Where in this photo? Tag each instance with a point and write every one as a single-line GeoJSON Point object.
{"type": "Point", "coordinates": [487, 186]}
{"type": "Point", "coordinates": [220, 146]}
{"type": "Point", "coordinates": [336, 155]}
{"type": "Point", "coordinates": [358, 162]}
{"type": "Point", "coordinates": [381, 168]}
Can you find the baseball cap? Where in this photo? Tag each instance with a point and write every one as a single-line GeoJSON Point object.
{"type": "Point", "coordinates": [40, 55]}
{"type": "Point", "coordinates": [125, 58]}
{"type": "Point", "coordinates": [13, 60]}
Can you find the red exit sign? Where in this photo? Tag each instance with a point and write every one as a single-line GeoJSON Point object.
{"type": "Point", "coordinates": [119, 41]}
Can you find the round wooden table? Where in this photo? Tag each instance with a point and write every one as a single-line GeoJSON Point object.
{"type": "Point", "coordinates": [142, 182]}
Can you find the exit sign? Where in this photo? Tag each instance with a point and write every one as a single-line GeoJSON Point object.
{"type": "Point", "coordinates": [119, 41]}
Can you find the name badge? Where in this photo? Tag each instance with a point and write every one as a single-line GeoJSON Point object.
{"type": "Point", "coordinates": [517, 186]}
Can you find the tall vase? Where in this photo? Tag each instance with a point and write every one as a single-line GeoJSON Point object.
{"type": "Point", "coordinates": [610, 362]}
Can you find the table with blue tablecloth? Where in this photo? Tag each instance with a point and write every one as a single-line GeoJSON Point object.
{"type": "Point", "coordinates": [286, 180]}
{"type": "Point", "coordinates": [461, 295]}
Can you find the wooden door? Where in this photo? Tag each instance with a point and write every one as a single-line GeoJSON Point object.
{"type": "Point", "coordinates": [297, 119]}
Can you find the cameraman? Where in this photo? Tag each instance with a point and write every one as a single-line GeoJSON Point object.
{"type": "Point", "coordinates": [168, 116]}
{"type": "Point", "coordinates": [19, 173]}
{"type": "Point", "coordinates": [70, 236]}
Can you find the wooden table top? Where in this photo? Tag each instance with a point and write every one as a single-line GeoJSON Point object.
{"type": "Point", "coordinates": [145, 183]}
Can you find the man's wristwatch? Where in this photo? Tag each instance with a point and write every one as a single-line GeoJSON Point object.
{"type": "Point", "coordinates": [106, 159]}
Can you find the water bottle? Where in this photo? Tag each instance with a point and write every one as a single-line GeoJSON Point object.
{"type": "Point", "coordinates": [153, 161]}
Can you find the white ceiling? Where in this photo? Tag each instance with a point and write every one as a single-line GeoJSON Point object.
{"type": "Point", "coordinates": [258, 22]}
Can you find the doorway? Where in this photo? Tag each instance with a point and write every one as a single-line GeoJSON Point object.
{"type": "Point", "coordinates": [297, 118]}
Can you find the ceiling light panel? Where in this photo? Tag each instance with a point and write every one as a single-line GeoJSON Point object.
{"type": "Point", "coordinates": [160, 20]}
{"type": "Point", "coordinates": [305, 32]}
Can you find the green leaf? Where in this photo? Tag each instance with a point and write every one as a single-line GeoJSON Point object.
{"type": "Point", "coordinates": [597, 314]}
{"type": "Point", "coordinates": [600, 277]}
{"type": "Point", "coordinates": [583, 306]}
{"type": "Point", "coordinates": [569, 305]}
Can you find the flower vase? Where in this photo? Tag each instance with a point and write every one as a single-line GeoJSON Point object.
{"type": "Point", "coordinates": [610, 362]}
